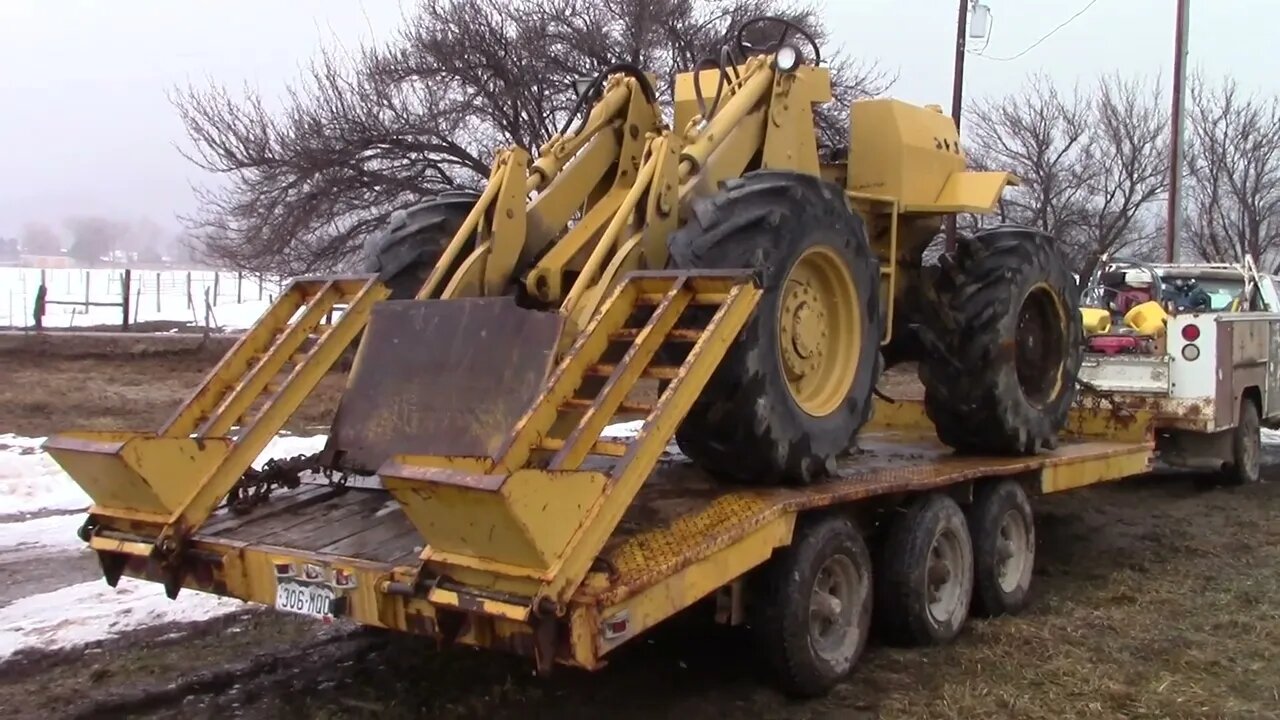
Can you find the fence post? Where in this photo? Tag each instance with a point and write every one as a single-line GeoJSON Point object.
{"type": "Point", "coordinates": [191, 302]}
{"type": "Point", "coordinates": [38, 313]}
{"type": "Point", "coordinates": [216, 277]}
{"type": "Point", "coordinates": [125, 298]}
{"type": "Point", "coordinates": [158, 293]}
{"type": "Point", "coordinates": [239, 287]}
{"type": "Point", "coordinates": [137, 304]}
{"type": "Point", "coordinates": [86, 290]}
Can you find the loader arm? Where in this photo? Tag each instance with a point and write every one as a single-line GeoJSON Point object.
{"type": "Point", "coordinates": [508, 238]}
{"type": "Point", "coordinates": [763, 114]}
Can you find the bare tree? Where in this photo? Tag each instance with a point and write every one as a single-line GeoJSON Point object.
{"type": "Point", "coordinates": [95, 238]}
{"type": "Point", "coordinates": [1232, 192]}
{"type": "Point", "coordinates": [385, 127]}
{"type": "Point", "coordinates": [40, 239]}
{"type": "Point", "coordinates": [1092, 162]}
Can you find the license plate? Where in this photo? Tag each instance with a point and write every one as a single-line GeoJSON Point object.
{"type": "Point", "coordinates": [313, 600]}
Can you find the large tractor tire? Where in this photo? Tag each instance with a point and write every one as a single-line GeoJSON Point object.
{"type": "Point", "coordinates": [1005, 344]}
{"type": "Point", "coordinates": [407, 249]}
{"type": "Point", "coordinates": [796, 386]}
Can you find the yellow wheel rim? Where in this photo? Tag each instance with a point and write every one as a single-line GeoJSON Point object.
{"type": "Point", "coordinates": [1040, 348]}
{"type": "Point", "coordinates": [819, 331]}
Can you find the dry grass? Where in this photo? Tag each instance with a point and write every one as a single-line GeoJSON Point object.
{"type": "Point", "coordinates": [48, 393]}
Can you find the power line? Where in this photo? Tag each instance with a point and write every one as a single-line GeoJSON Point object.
{"type": "Point", "coordinates": [1046, 36]}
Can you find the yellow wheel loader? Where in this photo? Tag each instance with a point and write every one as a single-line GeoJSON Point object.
{"type": "Point", "coordinates": [720, 277]}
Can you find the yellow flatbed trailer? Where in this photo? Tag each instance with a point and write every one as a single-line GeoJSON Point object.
{"type": "Point", "coordinates": [351, 552]}
{"type": "Point", "coordinates": [564, 545]}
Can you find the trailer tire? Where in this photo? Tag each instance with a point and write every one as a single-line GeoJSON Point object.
{"type": "Point", "coordinates": [925, 575]}
{"type": "Point", "coordinates": [795, 387]}
{"type": "Point", "coordinates": [1246, 446]}
{"type": "Point", "coordinates": [827, 563]}
{"type": "Point", "coordinates": [409, 245]}
{"type": "Point", "coordinates": [1005, 344]}
{"type": "Point", "coordinates": [1004, 548]}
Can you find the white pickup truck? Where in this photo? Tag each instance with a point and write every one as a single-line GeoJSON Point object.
{"type": "Point", "coordinates": [1195, 345]}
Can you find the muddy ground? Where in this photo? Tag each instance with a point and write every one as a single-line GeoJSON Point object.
{"type": "Point", "coordinates": [1152, 599]}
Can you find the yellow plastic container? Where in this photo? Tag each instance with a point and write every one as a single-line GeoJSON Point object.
{"type": "Point", "coordinates": [1148, 318]}
{"type": "Point", "coordinates": [1096, 320]}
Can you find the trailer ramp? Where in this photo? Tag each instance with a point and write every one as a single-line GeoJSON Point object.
{"type": "Point", "coordinates": [518, 528]}
{"type": "Point", "coordinates": [154, 488]}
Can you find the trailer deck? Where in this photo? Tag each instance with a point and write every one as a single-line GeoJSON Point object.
{"type": "Point", "coordinates": [685, 536]}
{"type": "Point", "coordinates": [680, 516]}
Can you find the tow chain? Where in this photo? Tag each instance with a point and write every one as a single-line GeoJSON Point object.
{"type": "Point", "coordinates": [255, 486]}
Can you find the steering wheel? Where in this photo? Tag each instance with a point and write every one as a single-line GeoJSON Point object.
{"type": "Point", "coordinates": [747, 49]}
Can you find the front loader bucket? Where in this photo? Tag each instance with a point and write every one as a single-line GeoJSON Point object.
{"type": "Point", "coordinates": [441, 377]}
{"type": "Point", "coordinates": [136, 475]}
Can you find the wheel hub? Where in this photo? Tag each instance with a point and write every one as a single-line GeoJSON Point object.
{"type": "Point", "coordinates": [833, 604]}
{"type": "Point", "coordinates": [942, 577]}
{"type": "Point", "coordinates": [805, 334]}
{"type": "Point", "coordinates": [1040, 348]}
{"type": "Point", "coordinates": [1011, 551]}
{"type": "Point", "coordinates": [818, 331]}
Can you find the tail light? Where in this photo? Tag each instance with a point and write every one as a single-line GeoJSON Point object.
{"type": "Point", "coordinates": [343, 578]}
{"type": "Point", "coordinates": [1190, 333]}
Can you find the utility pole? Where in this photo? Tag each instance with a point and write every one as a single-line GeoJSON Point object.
{"type": "Point", "coordinates": [957, 87]}
{"type": "Point", "coordinates": [1173, 223]}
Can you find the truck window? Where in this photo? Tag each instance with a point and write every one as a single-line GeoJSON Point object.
{"type": "Point", "coordinates": [1222, 291]}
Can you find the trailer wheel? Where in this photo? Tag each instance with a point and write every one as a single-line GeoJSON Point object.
{"type": "Point", "coordinates": [1005, 344]}
{"type": "Point", "coordinates": [1246, 463]}
{"type": "Point", "coordinates": [795, 387]}
{"type": "Point", "coordinates": [407, 249]}
{"type": "Point", "coordinates": [811, 606]}
{"type": "Point", "coordinates": [925, 582]}
{"type": "Point", "coordinates": [1004, 548]}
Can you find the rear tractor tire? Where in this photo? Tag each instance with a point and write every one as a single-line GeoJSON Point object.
{"type": "Point", "coordinates": [1005, 344]}
{"type": "Point", "coordinates": [407, 249]}
{"type": "Point", "coordinates": [796, 386]}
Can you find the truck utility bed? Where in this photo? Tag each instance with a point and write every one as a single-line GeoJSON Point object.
{"type": "Point", "coordinates": [680, 517]}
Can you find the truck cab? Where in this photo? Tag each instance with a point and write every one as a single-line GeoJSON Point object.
{"type": "Point", "coordinates": [1194, 345]}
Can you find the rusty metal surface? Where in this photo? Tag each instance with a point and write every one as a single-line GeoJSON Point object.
{"type": "Point", "coordinates": [1127, 413]}
{"type": "Point", "coordinates": [441, 377]}
{"type": "Point", "coordinates": [682, 515]}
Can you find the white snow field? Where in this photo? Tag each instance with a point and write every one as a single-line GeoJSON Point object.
{"type": "Point", "coordinates": [235, 299]}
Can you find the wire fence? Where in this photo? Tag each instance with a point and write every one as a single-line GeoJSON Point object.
{"type": "Point", "coordinates": [43, 298]}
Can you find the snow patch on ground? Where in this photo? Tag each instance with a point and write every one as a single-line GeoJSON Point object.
{"type": "Point", "coordinates": [241, 316]}
{"type": "Point", "coordinates": [92, 611]}
{"type": "Point", "coordinates": [623, 430]}
{"type": "Point", "coordinates": [1270, 437]}
{"type": "Point", "coordinates": [57, 532]}
{"type": "Point", "coordinates": [30, 481]}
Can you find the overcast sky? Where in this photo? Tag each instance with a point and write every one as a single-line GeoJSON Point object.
{"type": "Point", "coordinates": [85, 125]}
